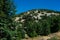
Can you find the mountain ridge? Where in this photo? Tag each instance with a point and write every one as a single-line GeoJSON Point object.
{"type": "Point", "coordinates": [41, 10]}
{"type": "Point", "coordinates": [38, 12]}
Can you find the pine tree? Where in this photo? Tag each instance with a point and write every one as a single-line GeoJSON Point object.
{"type": "Point", "coordinates": [7, 7]}
{"type": "Point", "coordinates": [7, 12]}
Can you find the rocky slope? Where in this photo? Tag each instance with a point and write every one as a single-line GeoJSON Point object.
{"type": "Point", "coordinates": [36, 14]}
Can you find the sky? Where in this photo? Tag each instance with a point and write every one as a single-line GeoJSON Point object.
{"type": "Point", "coordinates": [25, 5]}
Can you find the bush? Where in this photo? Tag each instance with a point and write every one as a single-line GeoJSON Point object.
{"type": "Point", "coordinates": [31, 29]}
{"type": "Point", "coordinates": [53, 38]}
{"type": "Point", "coordinates": [32, 34]}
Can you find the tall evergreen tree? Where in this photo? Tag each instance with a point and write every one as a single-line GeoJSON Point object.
{"type": "Point", "coordinates": [7, 12]}
{"type": "Point", "coordinates": [7, 8]}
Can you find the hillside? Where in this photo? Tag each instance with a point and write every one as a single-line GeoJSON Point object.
{"type": "Point", "coordinates": [39, 22]}
{"type": "Point", "coordinates": [36, 14]}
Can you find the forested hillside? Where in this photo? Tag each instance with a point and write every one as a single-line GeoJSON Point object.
{"type": "Point", "coordinates": [33, 22]}
{"type": "Point", "coordinates": [39, 22]}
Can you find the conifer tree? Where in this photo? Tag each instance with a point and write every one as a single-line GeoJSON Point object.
{"type": "Point", "coordinates": [7, 8]}
{"type": "Point", "coordinates": [7, 12]}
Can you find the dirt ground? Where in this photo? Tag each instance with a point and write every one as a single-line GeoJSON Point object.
{"type": "Point", "coordinates": [57, 34]}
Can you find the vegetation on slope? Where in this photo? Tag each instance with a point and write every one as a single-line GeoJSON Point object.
{"type": "Point", "coordinates": [31, 23]}
{"type": "Point", "coordinates": [46, 25]}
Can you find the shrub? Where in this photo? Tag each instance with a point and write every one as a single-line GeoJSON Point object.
{"type": "Point", "coordinates": [31, 29]}
{"type": "Point", "coordinates": [53, 38]}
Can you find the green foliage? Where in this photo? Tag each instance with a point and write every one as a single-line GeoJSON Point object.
{"type": "Point", "coordinates": [54, 23]}
{"type": "Point", "coordinates": [31, 29]}
{"type": "Point", "coordinates": [8, 30]}
{"type": "Point", "coordinates": [11, 30]}
{"type": "Point", "coordinates": [44, 26]}
{"type": "Point", "coordinates": [53, 38]}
